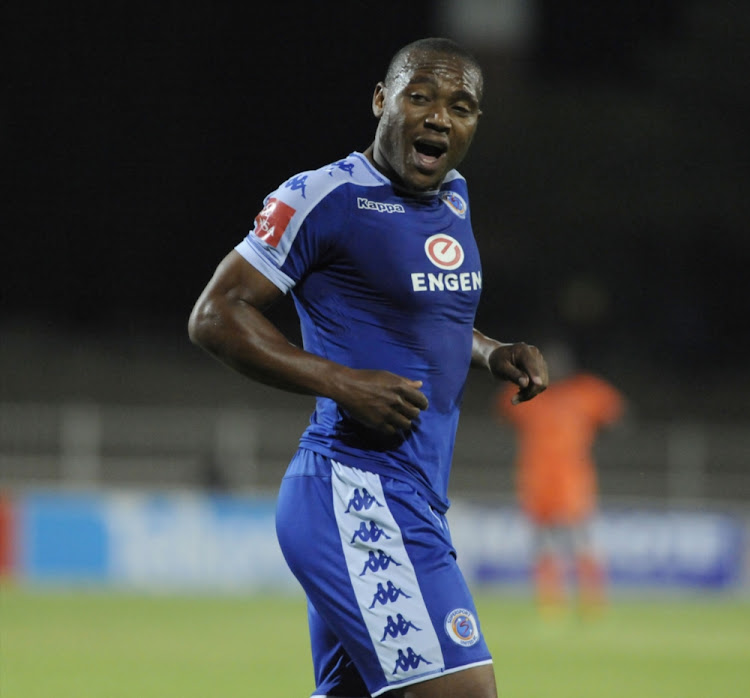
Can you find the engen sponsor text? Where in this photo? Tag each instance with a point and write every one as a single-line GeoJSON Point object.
{"type": "Point", "coordinates": [464, 281]}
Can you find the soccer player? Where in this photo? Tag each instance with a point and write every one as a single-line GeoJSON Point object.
{"type": "Point", "coordinates": [378, 253]}
{"type": "Point", "coordinates": [557, 482]}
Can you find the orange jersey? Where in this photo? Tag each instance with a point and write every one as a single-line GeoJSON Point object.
{"type": "Point", "coordinates": [555, 473]}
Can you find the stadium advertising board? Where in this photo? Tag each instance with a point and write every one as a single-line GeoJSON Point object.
{"type": "Point", "coordinates": [642, 548]}
{"type": "Point", "coordinates": [195, 541]}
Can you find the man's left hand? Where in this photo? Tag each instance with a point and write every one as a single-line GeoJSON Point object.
{"type": "Point", "coordinates": [522, 364]}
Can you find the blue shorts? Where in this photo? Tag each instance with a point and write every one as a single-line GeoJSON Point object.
{"type": "Point", "coordinates": [387, 603]}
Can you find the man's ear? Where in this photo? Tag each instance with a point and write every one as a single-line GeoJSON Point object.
{"type": "Point", "coordinates": [378, 100]}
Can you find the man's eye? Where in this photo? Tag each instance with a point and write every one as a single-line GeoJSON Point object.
{"type": "Point", "coordinates": [418, 98]}
{"type": "Point", "coordinates": [461, 109]}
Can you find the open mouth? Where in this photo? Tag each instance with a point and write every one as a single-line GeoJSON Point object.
{"type": "Point", "coordinates": [429, 153]}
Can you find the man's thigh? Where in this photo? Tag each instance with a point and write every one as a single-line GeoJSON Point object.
{"type": "Point", "coordinates": [383, 577]}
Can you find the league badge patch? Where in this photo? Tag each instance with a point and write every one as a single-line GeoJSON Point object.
{"type": "Point", "coordinates": [272, 221]}
{"type": "Point", "coordinates": [462, 627]}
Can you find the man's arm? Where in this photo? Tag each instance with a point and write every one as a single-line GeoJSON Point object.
{"type": "Point", "coordinates": [228, 322]}
{"type": "Point", "coordinates": [520, 363]}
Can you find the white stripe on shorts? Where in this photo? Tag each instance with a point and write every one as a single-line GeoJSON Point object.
{"type": "Point", "coordinates": [383, 578]}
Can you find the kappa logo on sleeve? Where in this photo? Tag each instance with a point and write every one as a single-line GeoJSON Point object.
{"type": "Point", "coordinates": [272, 221]}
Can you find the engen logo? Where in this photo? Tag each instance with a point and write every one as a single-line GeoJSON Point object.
{"type": "Point", "coordinates": [272, 221]}
{"type": "Point", "coordinates": [465, 281]}
{"type": "Point", "coordinates": [444, 251]}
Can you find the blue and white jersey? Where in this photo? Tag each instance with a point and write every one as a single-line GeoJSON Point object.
{"type": "Point", "coordinates": [380, 280]}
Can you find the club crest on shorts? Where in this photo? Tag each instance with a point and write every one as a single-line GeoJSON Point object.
{"type": "Point", "coordinates": [462, 627]}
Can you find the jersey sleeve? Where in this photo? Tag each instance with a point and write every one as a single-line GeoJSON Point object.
{"type": "Point", "coordinates": [293, 231]}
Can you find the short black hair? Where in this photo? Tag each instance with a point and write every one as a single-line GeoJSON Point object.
{"type": "Point", "coordinates": [435, 44]}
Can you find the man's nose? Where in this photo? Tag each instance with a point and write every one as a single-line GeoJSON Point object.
{"type": "Point", "coordinates": [439, 120]}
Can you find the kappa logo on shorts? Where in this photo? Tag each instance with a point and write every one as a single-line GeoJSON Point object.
{"type": "Point", "coordinates": [377, 563]}
{"type": "Point", "coordinates": [462, 627]}
{"type": "Point", "coordinates": [389, 595]}
{"type": "Point", "coordinates": [272, 221]}
{"type": "Point", "coordinates": [361, 500]}
{"type": "Point", "coordinates": [400, 626]}
{"type": "Point", "coordinates": [409, 661]}
{"type": "Point", "coordinates": [369, 534]}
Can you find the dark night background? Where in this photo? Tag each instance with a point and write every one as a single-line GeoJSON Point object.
{"type": "Point", "coordinates": [609, 177]}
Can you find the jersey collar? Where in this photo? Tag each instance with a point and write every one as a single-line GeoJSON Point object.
{"type": "Point", "coordinates": [401, 191]}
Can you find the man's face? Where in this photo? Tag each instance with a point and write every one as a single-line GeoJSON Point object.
{"type": "Point", "coordinates": [428, 117]}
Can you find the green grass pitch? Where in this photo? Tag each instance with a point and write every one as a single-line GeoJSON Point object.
{"type": "Point", "coordinates": [93, 644]}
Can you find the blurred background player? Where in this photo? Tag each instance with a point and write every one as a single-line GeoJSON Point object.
{"type": "Point", "coordinates": [557, 481]}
